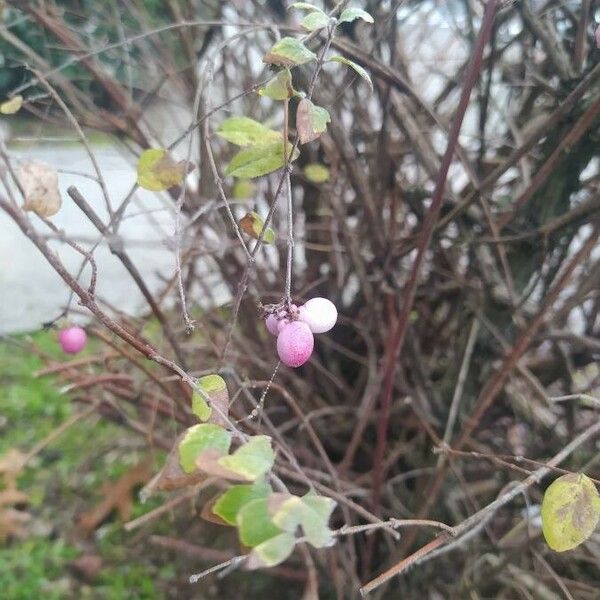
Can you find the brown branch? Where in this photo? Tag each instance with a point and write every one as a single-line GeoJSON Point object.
{"type": "Point", "coordinates": [398, 334]}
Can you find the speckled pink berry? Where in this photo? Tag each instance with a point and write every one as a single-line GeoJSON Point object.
{"type": "Point", "coordinates": [295, 344]}
{"type": "Point", "coordinates": [319, 314]}
{"type": "Point", "coordinates": [72, 339]}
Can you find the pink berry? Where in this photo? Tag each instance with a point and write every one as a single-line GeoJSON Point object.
{"type": "Point", "coordinates": [319, 314]}
{"type": "Point", "coordinates": [274, 322]}
{"type": "Point", "coordinates": [72, 339]}
{"type": "Point", "coordinates": [295, 344]}
{"type": "Point", "coordinates": [271, 322]}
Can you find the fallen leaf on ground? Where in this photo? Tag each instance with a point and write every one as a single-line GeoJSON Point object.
{"type": "Point", "coordinates": [117, 496]}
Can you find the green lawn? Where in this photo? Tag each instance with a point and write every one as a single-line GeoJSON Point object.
{"type": "Point", "coordinates": [62, 480]}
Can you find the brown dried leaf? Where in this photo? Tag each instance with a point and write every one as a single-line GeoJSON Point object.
{"type": "Point", "coordinates": [11, 524]}
{"type": "Point", "coordinates": [117, 496]}
{"type": "Point", "coordinates": [40, 187]}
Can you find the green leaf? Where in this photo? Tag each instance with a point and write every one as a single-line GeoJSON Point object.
{"type": "Point", "coordinates": [255, 525]}
{"type": "Point", "coordinates": [311, 121]}
{"type": "Point", "coordinates": [280, 87]}
{"type": "Point", "coordinates": [353, 65]}
{"type": "Point", "coordinates": [11, 106]}
{"type": "Point", "coordinates": [259, 160]}
{"type": "Point", "coordinates": [272, 552]}
{"type": "Point", "coordinates": [289, 52]}
{"type": "Point", "coordinates": [252, 459]}
{"type": "Point", "coordinates": [199, 438]}
{"type": "Point", "coordinates": [244, 131]}
{"type": "Point", "coordinates": [213, 386]}
{"type": "Point", "coordinates": [316, 173]}
{"type": "Point", "coordinates": [351, 14]}
{"type": "Point", "coordinates": [236, 497]}
{"type": "Point", "coordinates": [304, 6]}
{"type": "Point", "coordinates": [243, 189]}
{"type": "Point", "coordinates": [570, 511]}
{"type": "Point", "coordinates": [252, 224]}
{"type": "Point", "coordinates": [314, 21]}
{"type": "Point", "coordinates": [157, 171]}
{"type": "Point", "coordinates": [311, 512]}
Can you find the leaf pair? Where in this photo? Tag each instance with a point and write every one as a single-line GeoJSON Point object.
{"type": "Point", "coordinates": [268, 522]}
{"type": "Point", "coordinates": [206, 446]}
{"type": "Point", "coordinates": [264, 151]}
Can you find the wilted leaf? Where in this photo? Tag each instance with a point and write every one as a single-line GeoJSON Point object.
{"type": "Point", "coordinates": [315, 20]}
{"type": "Point", "coordinates": [243, 131]}
{"type": "Point", "coordinates": [289, 52]}
{"type": "Point", "coordinates": [350, 63]}
{"type": "Point", "coordinates": [570, 511]}
{"type": "Point", "coordinates": [311, 121]}
{"type": "Point", "coordinates": [157, 171]}
{"type": "Point", "coordinates": [252, 459]}
{"type": "Point", "coordinates": [316, 173]}
{"type": "Point", "coordinates": [311, 512]}
{"type": "Point", "coordinates": [252, 224]}
{"type": "Point", "coordinates": [351, 14]}
{"type": "Point", "coordinates": [243, 189]}
{"type": "Point", "coordinates": [272, 552]}
{"type": "Point", "coordinates": [255, 525]}
{"type": "Point", "coordinates": [40, 187]}
{"type": "Point", "coordinates": [215, 388]}
{"type": "Point", "coordinates": [259, 160]}
{"type": "Point", "coordinates": [171, 476]}
{"type": "Point", "coordinates": [280, 87]}
{"type": "Point", "coordinates": [208, 463]}
{"type": "Point", "coordinates": [231, 502]}
{"type": "Point", "coordinates": [10, 107]}
{"type": "Point", "coordinates": [202, 437]}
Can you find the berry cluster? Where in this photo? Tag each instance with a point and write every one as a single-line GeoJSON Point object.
{"type": "Point", "coordinates": [295, 327]}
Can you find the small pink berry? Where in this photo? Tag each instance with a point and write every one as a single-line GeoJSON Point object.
{"type": "Point", "coordinates": [319, 314]}
{"type": "Point", "coordinates": [295, 344]}
{"type": "Point", "coordinates": [274, 322]}
{"type": "Point", "coordinates": [271, 322]}
{"type": "Point", "coordinates": [72, 339]}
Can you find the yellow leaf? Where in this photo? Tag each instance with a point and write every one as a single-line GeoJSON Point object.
{"type": "Point", "coordinates": [10, 107]}
{"type": "Point", "coordinates": [316, 173]}
{"type": "Point", "coordinates": [570, 511]}
{"type": "Point", "coordinates": [157, 171]}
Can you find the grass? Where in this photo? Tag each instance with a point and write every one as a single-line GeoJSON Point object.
{"type": "Point", "coordinates": [65, 478]}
